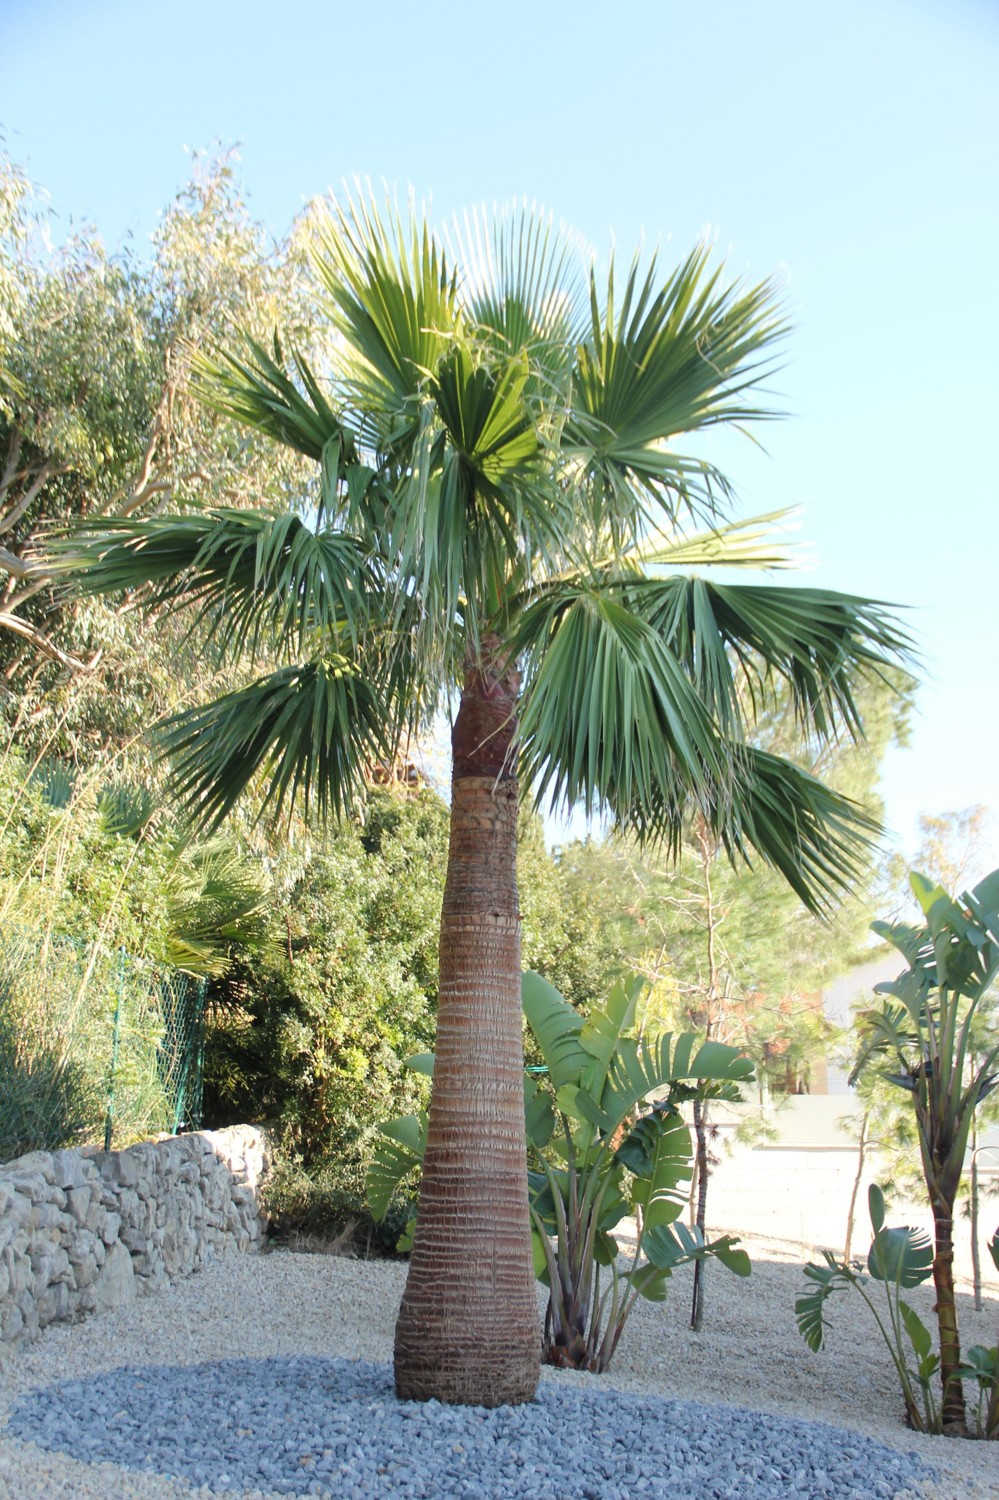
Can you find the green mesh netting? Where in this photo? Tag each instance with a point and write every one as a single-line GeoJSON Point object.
{"type": "Point", "coordinates": [96, 1047]}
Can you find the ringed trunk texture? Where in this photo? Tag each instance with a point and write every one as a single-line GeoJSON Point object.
{"type": "Point", "coordinates": [468, 1328]}
{"type": "Point", "coordinates": [953, 1409]}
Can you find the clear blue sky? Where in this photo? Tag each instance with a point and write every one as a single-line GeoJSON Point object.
{"type": "Point", "coordinates": [852, 147]}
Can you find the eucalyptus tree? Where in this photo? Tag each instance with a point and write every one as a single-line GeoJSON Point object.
{"type": "Point", "coordinates": [97, 419]}
{"type": "Point", "coordinates": [498, 493]}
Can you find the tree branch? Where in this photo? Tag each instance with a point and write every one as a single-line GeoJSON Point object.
{"type": "Point", "coordinates": [45, 473]}
{"type": "Point", "coordinates": [41, 642]}
{"type": "Point", "coordinates": [13, 454]}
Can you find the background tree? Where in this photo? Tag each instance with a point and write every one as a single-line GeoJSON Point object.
{"type": "Point", "coordinates": [499, 492]}
{"type": "Point", "coordinates": [97, 419]}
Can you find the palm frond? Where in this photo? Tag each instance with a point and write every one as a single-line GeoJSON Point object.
{"type": "Point", "coordinates": [755, 543]}
{"type": "Point", "coordinates": [392, 299]}
{"type": "Point", "coordinates": [814, 836]}
{"type": "Point", "coordinates": [606, 707]}
{"type": "Point", "coordinates": [309, 731]}
{"type": "Point", "coordinates": [676, 358]}
{"type": "Point", "coordinates": [523, 290]}
{"type": "Point", "coordinates": [255, 574]}
{"type": "Point", "coordinates": [258, 392]}
{"type": "Point", "coordinates": [735, 636]}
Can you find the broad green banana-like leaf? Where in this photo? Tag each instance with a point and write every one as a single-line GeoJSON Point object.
{"type": "Point", "coordinates": [903, 936]}
{"type": "Point", "coordinates": [919, 1334]}
{"type": "Point", "coordinates": [396, 1154]}
{"type": "Point", "coordinates": [651, 1282]}
{"type": "Point", "coordinates": [605, 1026]}
{"type": "Point", "coordinates": [539, 1117]}
{"type": "Point", "coordinates": [311, 730]}
{"type": "Point", "coordinates": [981, 1364]}
{"type": "Point", "coordinates": [887, 1030]}
{"type": "Point", "coordinates": [658, 1150]}
{"type": "Point", "coordinates": [673, 1245]}
{"type": "Point", "coordinates": [902, 1255]}
{"type": "Point", "coordinates": [421, 1062]}
{"type": "Point", "coordinates": [644, 1067]}
{"type": "Point", "coordinates": [809, 1308]}
{"type": "Point", "coordinates": [557, 1029]}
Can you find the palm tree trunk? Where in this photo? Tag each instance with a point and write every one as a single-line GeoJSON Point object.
{"type": "Point", "coordinates": [953, 1409]}
{"type": "Point", "coordinates": [468, 1327]}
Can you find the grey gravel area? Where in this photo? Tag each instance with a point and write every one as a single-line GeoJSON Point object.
{"type": "Point", "coordinates": [333, 1427]}
{"type": "Point", "coordinates": [232, 1338]}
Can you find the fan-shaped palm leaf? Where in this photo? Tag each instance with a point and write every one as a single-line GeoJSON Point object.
{"type": "Point", "coordinates": [607, 708]}
{"type": "Point", "coordinates": [676, 358]}
{"type": "Point", "coordinates": [730, 635]}
{"type": "Point", "coordinates": [814, 836]}
{"type": "Point", "coordinates": [255, 574]}
{"type": "Point", "coordinates": [310, 729]}
{"type": "Point", "coordinates": [258, 392]}
{"type": "Point", "coordinates": [392, 300]}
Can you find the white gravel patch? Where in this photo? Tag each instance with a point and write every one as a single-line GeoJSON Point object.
{"type": "Point", "coordinates": [748, 1354]}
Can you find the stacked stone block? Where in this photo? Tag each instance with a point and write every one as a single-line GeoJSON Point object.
{"type": "Point", "coordinates": [85, 1230]}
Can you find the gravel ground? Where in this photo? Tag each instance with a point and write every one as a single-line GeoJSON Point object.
{"type": "Point", "coordinates": [285, 1318]}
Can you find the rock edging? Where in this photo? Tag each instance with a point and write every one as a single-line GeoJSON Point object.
{"type": "Point", "coordinates": [85, 1230]}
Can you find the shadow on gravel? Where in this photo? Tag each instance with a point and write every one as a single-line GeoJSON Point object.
{"type": "Point", "coordinates": [332, 1427]}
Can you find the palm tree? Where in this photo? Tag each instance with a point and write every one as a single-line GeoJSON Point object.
{"type": "Point", "coordinates": [497, 495]}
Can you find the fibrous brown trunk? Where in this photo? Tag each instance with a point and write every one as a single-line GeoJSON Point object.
{"type": "Point", "coordinates": [953, 1409]}
{"type": "Point", "coordinates": [468, 1327]}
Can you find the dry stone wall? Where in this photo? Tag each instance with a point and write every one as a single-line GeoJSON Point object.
{"type": "Point", "coordinates": [84, 1230]}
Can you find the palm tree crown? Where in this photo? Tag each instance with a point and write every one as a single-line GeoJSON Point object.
{"type": "Point", "coordinates": [500, 502]}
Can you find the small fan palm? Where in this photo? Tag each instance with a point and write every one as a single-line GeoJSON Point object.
{"type": "Point", "coordinates": [499, 498]}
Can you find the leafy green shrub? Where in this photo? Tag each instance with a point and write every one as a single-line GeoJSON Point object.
{"type": "Point", "coordinates": [327, 1202]}
{"type": "Point", "coordinates": [47, 1100]}
{"type": "Point", "coordinates": [900, 1259]}
{"type": "Point", "coordinates": [50, 1094]}
{"type": "Point", "coordinates": [594, 1163]}
{"type": "Point", "coordinates": [308, 1037]}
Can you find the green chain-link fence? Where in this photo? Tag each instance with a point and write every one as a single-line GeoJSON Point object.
{"type": "Point", "coordinates": [96, 1047]}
